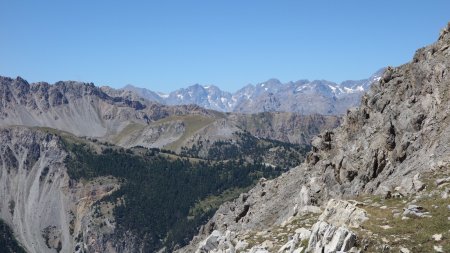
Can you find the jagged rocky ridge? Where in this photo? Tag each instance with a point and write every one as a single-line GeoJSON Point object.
{"type": "Point", "coordinates": [303, 96]}
{"type": "Point", "coordinates": [128, 120]}
{"type": "Point", "coordinates": [79, 108]}
{"type": "Point", "coordinates": [397, 139]}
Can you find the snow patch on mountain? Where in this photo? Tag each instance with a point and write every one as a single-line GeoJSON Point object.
{"type": "Point", "coordinates": [319, 96]}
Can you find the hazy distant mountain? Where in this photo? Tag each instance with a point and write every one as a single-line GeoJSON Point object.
{"type": "Point", "coordinates": [303, 96]}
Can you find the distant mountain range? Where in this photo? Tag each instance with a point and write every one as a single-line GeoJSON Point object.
{"type": "Point", "coordinates": [126, 119]}
{"type": "Point", "coordinates": [303, 96]}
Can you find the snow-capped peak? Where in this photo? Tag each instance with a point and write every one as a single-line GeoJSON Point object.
{"type": "Point", "coordinates": [299, 96]}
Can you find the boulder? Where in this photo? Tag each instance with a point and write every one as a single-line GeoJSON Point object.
{"type": "Point", "coordinates": [331, 233]}
{"type": "Point", "coordinates": [329, 238]}
{"type": "Point", "coordinates": [210, 243]}
{"type": "Point", "coordinates": [410, 185]}
{"type": "Point", "coordinates": [442, 181]}
{"type": "Point", "coordinates": [340, 212]}
{"type": "Point", "coordinates": [217, 242]}
{"type": "Point", "coordinates": [415, 210]}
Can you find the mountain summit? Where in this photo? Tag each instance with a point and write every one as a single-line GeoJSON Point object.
{"type": "Point", "coordinates": [303, 96]}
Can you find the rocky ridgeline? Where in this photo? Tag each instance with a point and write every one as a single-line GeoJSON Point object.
{"type": "Point", "coordinates": [125, 119]}
{"type": "Point", "coordinates": [388, 147]}
{"type": "Point", "coordinates": [303, 96]}
{"type": "Point", "coordinates": [284, 126]}
{"type": "Point", "coordinates": [79, 108]}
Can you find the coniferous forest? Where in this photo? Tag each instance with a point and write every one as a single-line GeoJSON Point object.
{"type": "Point", "coordinates": [160, 190]}
{"type": "Point", "coordinates": [8, 244]}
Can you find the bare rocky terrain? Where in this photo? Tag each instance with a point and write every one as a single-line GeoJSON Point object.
{"type": "Point", "coordinates": [47, 210]}
{"type": "Point", "coordinates": [385, 166]}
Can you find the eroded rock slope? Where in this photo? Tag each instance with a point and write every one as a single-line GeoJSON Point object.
{"type": "Point", "coordinates": [400, 132]}
{"type": "Point", "coordinates": [47, 211]}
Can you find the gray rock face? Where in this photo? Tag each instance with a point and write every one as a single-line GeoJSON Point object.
{"type": "Point", "coordinates": [343, 213]}
{"type": "Point", "coordinates": [329, 238]}
{"type": "Point", "coordinates": [401, 129]}
{"type": "Point", "coordinates": [46, 210]}
{"type": "Point", "coordinates": [211, 243]}
{"type": "Point", "coordinates": [442, 181]}
{"type": "Point", "coordinates": [79, 108]}
{"type": "Point", "coordinates": [332, 232]}
{"type": "Point", "coordinates": [31, 204]}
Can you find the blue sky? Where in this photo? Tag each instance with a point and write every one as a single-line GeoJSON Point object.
{"type": "Point", "coordinates": [165, 45]}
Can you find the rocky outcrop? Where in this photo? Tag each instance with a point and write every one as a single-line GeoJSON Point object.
{"type": "Point", "coordinates": [401, 130]}
{"type": "Point", "coordinates": [329, 238]}
{"type": "Point", "coordinates": [332, 232]}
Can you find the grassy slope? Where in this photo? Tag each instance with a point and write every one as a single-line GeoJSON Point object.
{"type": "Point", "coordinates": [128, 130]}
{"type": "Point", "coordinates": [414, 233]}
{"type": "Point", "coordinates": [193, 123]}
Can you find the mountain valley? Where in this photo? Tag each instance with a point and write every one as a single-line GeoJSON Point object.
{"type": "Point", "coordinates": [100, 163]}
{"type": "Point", "coordinates": [271, 168]}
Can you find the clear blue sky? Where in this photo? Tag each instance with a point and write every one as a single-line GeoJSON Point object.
{"type": "Point", "coordinates": [165, 45]}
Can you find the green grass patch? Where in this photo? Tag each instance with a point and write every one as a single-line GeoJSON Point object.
{"type": "Point", "coordinates": [130, 129]}
{"type": "Point", "coordinates": [414, 233]}
{"type": "Point", "coordinates": [192, 124]}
